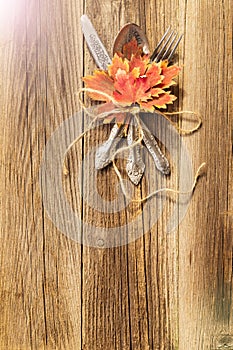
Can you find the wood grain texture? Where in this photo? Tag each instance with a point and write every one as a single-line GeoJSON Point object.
{"type": "Point", "coordinates": [161, 291]}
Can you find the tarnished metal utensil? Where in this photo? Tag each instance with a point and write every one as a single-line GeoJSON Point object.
{"type": "Point", "coordinates": [164, 50]}
{"type": "Point", "coordinates": [106, 151]}
{"type": "Point", "coordinates": [160, 160]}
{"type": "Point", "coordinates": [135, 167]}
{"type": "Point", "coordinates": [94, 44]}
{"type": "Point", "coordinates": [126, 34]}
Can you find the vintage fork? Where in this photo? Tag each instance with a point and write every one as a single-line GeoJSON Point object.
{"type": "Point", "coordinates": [165, 50]}
{"type": "Point", "coordinates": [169, 46]}
{"type": "Point", "coordinates": [135, 167]}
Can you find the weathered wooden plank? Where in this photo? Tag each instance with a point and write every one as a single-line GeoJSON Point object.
{"type": "Point", "coordinates": [40, 286]}
{"type": "Point", "coordinates": [201, 244]}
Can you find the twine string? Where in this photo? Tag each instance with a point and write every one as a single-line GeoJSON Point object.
{"type": "Point", "coordinates": [181, 130]}
{"type": "Point", "coordinates": [133, 110]}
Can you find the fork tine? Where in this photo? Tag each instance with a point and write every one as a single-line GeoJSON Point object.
{"type": "Point", "coordinates": [174, 48]}
{"type": "Point", "coordinates": [154, 54]}
{"type": "Point", "coordinates": [160, 54]}
{"type": "Point", "coordinates": [169, 47]}
{"type": "Point", "coordinates": [167, 50]}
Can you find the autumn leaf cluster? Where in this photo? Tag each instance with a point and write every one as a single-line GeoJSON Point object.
{"type": "Point", "coordinates": [132, 78]}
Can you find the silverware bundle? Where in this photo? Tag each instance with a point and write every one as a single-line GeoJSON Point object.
{"type": "Point", "coordinates": [165, 50]}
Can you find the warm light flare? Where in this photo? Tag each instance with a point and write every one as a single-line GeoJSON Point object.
{"type": "Point", "coordinates": [8, 7]}
{"type": "Point", "coordinates": [9, 10]}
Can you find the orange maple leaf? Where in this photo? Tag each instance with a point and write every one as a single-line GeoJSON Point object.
{"type": "Point", "coordinates": [154, 74]}
{"type": "Point", "coordinates": [161, 101]}
{"type": "Point", "coordinates": [169, 73]}
{"type": "Point", "coordinates": [129, 90]}
{"type": "Point", "coordinates": [139, 62]}
{"type": "Point", "coordinates": [117, 63]}
{"type": "Point", "coordinates": [100, 81]}
{"type": "Point", "coordinates": [131, 78]}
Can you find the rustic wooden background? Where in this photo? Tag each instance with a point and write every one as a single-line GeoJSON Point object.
{"type": "Point", "coordinates": [161, 291]}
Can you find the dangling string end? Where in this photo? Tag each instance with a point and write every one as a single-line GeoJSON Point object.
{"type": "Point", "coordinates": [181, 130]}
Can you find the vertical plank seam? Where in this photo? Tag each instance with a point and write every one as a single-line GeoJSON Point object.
{"type": "Point", "coordinates": [129, 307]}
{"type": "Point", "coordinates": [82, 207]}
{"type": "Point", "coordinates": [178, 230]}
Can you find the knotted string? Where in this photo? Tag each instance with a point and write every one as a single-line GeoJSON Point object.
{"type": "Point", "coordinates": [134, 110]}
